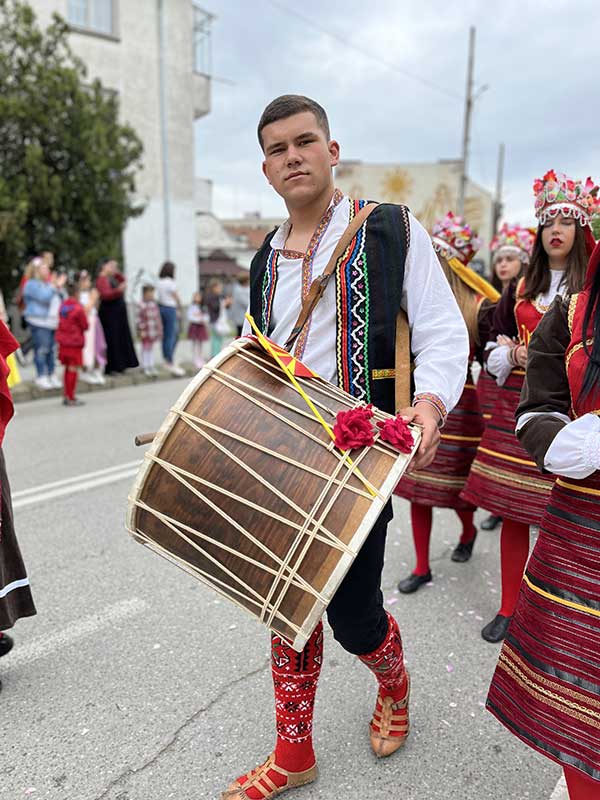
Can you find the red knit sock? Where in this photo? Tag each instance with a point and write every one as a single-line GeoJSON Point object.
{"type": "Point", "coordinates": [70, 381]}
{"type": "Point", "coordinates": [295, 678]}
{"type": "Point", "coordinates": [73, 383]}
{"type": "Point", "coordinates": [421, 517]}
{"type": "Point", "coordinates": [514, 552]}
{"type": "Point", "coordinates": [580, 786]}
{"type": "Point", "coordinates": [387, 663]}
{"type": "Point", "coordinates": [66, 375]}
{"type": "Point", "coordinates": [468, 529]}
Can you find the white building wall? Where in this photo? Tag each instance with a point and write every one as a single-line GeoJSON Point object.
{"type": "Point", "coordinates": [129, 63]}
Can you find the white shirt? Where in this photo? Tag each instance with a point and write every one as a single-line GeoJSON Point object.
{"type": "Point", "coordinates": [439, 339]}
{"type": "Point", "coordinates": [166, 291]}
{"type": "Point", "coordinates": [499, 363]}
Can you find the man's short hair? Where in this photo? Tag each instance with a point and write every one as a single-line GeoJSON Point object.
{"type": "Point", "coordinates": [286, 106]}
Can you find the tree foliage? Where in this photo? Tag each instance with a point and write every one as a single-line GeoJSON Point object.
{"type": "Point", "coordinates": [596, 227]}
{"type": "Point", "coordinates": [67, 164]}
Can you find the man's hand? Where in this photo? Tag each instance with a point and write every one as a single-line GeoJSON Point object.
{"type": "Point", "coordinates": [521, 355]}
{"type": "Point", "coordinates": [427, 417]}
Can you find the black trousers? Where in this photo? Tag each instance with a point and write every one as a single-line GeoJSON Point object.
{"type": "Point", "coordinates": [356, 613]}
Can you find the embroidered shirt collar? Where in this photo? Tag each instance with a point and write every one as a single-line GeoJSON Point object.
{"type": "Point", "coordinates": [282, 233]}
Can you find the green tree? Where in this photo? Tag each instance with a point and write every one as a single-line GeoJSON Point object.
{"type": "Point", "coordinates": [596, 227]}
{"type": "Point", "coordinates": [67, 165]}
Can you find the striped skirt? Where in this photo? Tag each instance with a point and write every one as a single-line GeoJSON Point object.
{"type": "Point", "coordinates": [487, 391]}
{"type": "Point", "coordinates": [503, 478]}
{"type": "Point", "coordinates": [441, 483]}
{"type": "Point", "coordinates": [546, 688]}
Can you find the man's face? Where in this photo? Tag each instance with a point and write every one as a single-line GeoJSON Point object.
{"type": "Point", "coordinates": [298, 158]}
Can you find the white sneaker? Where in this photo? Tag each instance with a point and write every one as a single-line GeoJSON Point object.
{"type": "Point", "coordinates": [87, 377]}
{"type": "Point", "coordinates": [177, 371]}
{"type": "Point", "coordinates": [43, 382]}
{"type": "Point", "coordinates": [55, 382]}
{"type": "Point", "coordinates": [99, 377]}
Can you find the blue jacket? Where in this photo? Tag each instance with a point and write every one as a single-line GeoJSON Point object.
{"type": "Point", "coordinates": [37, 296]}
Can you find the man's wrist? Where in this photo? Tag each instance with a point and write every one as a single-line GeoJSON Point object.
{"type": "Point", "coordinates": [431, 401]}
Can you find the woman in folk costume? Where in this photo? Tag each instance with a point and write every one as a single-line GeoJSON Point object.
{"type": "Point", "coordinates": [15, 594]}
{"type": "Point", "coordinates": [439, 485]}
{"type": "Point", "coordinates": [546, 688]}
{"type": "Point", "coordinates": [504, 479]}
{"type": "Point", "coordinates": [511, 250]}
{"type": "Point", "coordinates": [350, 340]}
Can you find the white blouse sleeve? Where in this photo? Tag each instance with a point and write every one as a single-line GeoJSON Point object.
{"type": "Point", "coordinates": [498, 363]}
{"type": "Point", "coordinates": [575, 451]}
{"type": "Point", "coordinates": [439, 338]}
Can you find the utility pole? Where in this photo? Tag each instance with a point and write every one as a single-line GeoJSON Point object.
{"type": "Point", "coordinates": [164, 129]}
{"type": "Point", "coordinates": [498, 198]}
{"type": "Point", "coordinates": [467, 123]}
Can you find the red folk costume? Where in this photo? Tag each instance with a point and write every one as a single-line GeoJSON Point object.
{"type": "Point", "coordinates": [504, 480]}
{"type": "Point", "coordinates": [440, 484]}
{"type": "Point", "coordinates": [546, 688]}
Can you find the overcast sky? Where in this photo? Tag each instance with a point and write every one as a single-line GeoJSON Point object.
{"type": "Point", "coordinates": [539, 59]}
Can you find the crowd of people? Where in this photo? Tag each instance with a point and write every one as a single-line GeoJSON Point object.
{"type": "Point", "coordinates": [84, 323]}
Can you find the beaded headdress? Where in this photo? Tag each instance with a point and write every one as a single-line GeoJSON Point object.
{"type": "Point", "coordinates": [556, 194]}
{"type": "Point", "coordinates": [513, 239]}
{"type": "Point", "coordinates": [453, 238]}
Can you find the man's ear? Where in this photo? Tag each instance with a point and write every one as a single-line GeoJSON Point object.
{"type": "Point", "coordinates": [334, 153]}
{"type": "Point", "coordinates": [264, 169]}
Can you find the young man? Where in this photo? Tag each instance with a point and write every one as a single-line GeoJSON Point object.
{"type": "Point", "coordinates": [350, 340]}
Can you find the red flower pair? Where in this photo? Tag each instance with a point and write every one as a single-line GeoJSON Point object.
{"type": "Point", "coordinates": [353, 429]}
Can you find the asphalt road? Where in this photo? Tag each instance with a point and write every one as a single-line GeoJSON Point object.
{"type": "Point", "coordinates": [135, 682]}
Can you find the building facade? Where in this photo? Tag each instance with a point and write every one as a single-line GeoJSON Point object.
{"type": "Point", "coordinates": [156, 55]}
{"type": "Point", "coordinates": [430, 190]}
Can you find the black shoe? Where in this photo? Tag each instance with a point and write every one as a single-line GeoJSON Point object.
{"type": "Point", "coordinates": [413, 582]}
{"type": "Point", "coordinates": [495, 630]}
{"type": "Point", "coordinates": [462, 552]}
{"type": "Point", "coordinates": [75, 402]}
{"type": "Point", "coordinates": [491, 522]}
{"type": "Point", "coordinates": [6, 645]}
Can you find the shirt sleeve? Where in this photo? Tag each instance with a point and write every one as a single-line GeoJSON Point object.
{"type": "Point", "coordinates": [439, 338]}
{"type": "Point", "coordinates": [498, 361]}
{"type": "Point", "coordinates": [575, 450]}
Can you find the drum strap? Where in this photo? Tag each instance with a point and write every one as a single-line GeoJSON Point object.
{"type": "Point", "coordinates": [317, 289]}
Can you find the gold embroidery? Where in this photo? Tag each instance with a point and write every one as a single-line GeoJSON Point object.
{"type": "Point", "coordinates": [514, 459]}
{"type": "Point", "coordinates": [559, 600]}
{"type": "Point", "coordinates": [507, 478]}
{"type": "Point", "coordinates": [575, 349]}
{"type": "Point", "coordinates": [571, 313]}
{"type": "Point", "coordinates": [575, 487]}
{"type": "Point", "coordinates": [379, 374]}
{"type": "Point", "coordinates": [422, 477]}
{"type": "Point", "coordinates": [457, 438]}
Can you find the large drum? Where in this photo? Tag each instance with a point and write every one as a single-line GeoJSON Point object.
{"type": "Point", "coordinates": [243, 488]}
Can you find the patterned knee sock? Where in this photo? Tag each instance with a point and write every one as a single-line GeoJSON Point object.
{"type": "Point", "coordinates": [468, 529]}
{"type": "Point", "coordinates": [387, 663]}
{"type": "Point", "coordinates": [514, 552]}
{"type": "Point", "coordinates": [421, 517]}
{"type": "Point", "coordinates": [295, 678]}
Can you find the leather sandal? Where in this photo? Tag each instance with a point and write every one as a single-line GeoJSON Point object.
{"type": "Point", "coordinates": [259, 780]}
{"type": "Point", "coordinates": [390, 725]}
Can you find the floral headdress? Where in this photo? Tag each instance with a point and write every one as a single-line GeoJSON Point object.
{"type": "Point", "coordinates": [513, 239]}
{"type": "Point", "coordinates": [453, 238]}
{"type": "Point", "coordinates": [556, 194]}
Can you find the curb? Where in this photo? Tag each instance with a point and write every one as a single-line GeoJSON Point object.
{"type": "Point", "coordinates": [27, 391]}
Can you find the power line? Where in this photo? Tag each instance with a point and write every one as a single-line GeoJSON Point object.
{"type": "Point", "coordinates": [373, 57]}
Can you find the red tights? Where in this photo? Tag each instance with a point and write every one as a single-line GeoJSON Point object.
{"type": "Point", "coordinates": [70, 382]}
{"type": "Point", "coordinates": [514, 552]}
{"type": "Point", "coordinates": [421, 517]}
{"type": "Point", "coordinates": [580, 786]}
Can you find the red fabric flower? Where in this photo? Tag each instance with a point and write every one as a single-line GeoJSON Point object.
{"type": "Point", "coordinates": [397, 433]}
{"type": "Point", "coordinates": [353, 428]}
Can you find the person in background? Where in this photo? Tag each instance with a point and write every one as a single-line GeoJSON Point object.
{"type": "Point", "coordinates": [111, 285]}
{"type": "Point", "coordinates": [15, 593]}
{"type": "Point", "coordinates": [149, 328]}
{"type": "Point", "coordinates": [94, 348]}
{"type": "Point", "coordinates": [72, 324]}
{"type": "Point", "coordinates": [198, 329]}
{"type": "Point", "coordinates": [42, 296]}
{"type": "Point", "coordinates": [217, 306]}
{"type": "Point", "coordinates": [170, 310]}
{"type": "Point", "coordinates": [240, 297]}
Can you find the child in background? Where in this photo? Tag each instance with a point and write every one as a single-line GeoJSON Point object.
{"type": "Point", "coordinates": [70, 336]}
{"type": "Point", "coordinates": [94, 349]}
{"type": "Point", "coordinates": [149, 327]}
{"type": "Point", "coordinates": [198, 329]}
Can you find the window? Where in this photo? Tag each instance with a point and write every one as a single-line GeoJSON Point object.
{"type": "Point", "coordinates": [202, 43]}
{"type": "Point", "coordinates": [94, 15]}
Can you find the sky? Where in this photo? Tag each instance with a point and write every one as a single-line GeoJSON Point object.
{"type": "Point", "coordinates": [391, 75]}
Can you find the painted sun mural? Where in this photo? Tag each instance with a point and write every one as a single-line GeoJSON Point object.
{"type": "Point", "coordinates": [396, 186]}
